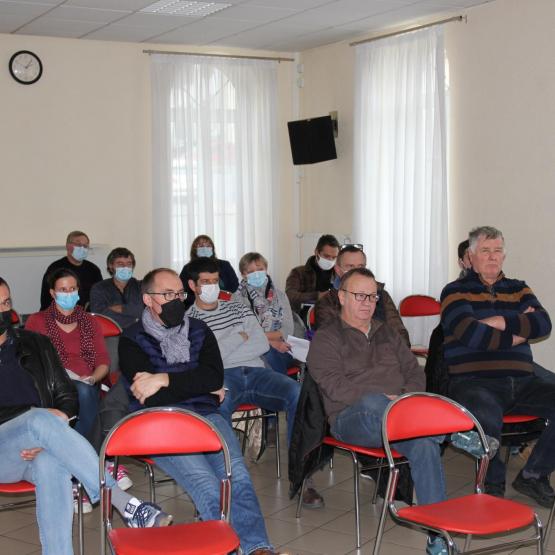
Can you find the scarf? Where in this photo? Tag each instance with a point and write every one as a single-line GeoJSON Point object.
{"type": "Point", "coordinates": [84, 326]}
{"type": "Point", "coordinates": [174, 342]}
{"type": "Point", "coordinates": [264, 304]}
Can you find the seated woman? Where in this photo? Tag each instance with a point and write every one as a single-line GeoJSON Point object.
{"type": "Point", "coordinates": [204, 246]}
{"type": "Point", "coordinates": [78, 339]}
{"type": "Point", "coordinates": [119, 297]}
{"type": "Point", "coordinates": [37, 400]}
{"type": "Point", "coordinates": [271, 307]}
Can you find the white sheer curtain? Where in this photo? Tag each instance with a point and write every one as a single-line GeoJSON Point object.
{"type": "Point", "coordinates": [214, 156]}
{"type": "Point", "coordinates": [400, 190]}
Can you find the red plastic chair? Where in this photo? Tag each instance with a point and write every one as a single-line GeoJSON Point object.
{"type": "Point", "coordinates": [354, 451]}
{"type": "Point", "coordinates": [16, 318]}
{"type": "Point", "coordinates": [425, 414]}
{"type": "Point", "coordinates": [26, 488]}
{"type": "Point", "coordinates": [415, 306]}
{"type": "Point", "coordinates": [109, 327]}
{"type": "Point", "coordinates": [164, 431]}
{"type": "Point", "coordinates": [224, 296]}
{"type": "Point", "coordinates": [509, 419]}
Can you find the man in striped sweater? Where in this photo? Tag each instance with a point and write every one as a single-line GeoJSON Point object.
{"type": "Point", "coordinates": [488, 321]}
{"type": "Point", "coordinates": [242, 342]}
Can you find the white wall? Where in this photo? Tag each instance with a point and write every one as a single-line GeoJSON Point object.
{"type": "Point", "coordinates": [75, 146]}
{"type": "Point", "coordinates": [502, 143]}
{"type": "Point", "coordinates": [502, 83]}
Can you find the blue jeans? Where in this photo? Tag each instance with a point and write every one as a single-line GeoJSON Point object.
{"type": "Point", "coordinates": [200, 475]}
{"type": "Point", "coordinates": [263, 387]}
{"type": "Point", "coordinates": [280, 362]}
{"type": "Point", "coordinates": [361, 424]}
{"type": "Point", "coordinates": [490, 398]}
{"type": "Point", "coordinates": [65, 454]}
{"type": "Point", "coordinates": [88, 406]}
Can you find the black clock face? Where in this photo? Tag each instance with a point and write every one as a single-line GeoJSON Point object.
{"type": "Point", "coordinates": [25, 67]}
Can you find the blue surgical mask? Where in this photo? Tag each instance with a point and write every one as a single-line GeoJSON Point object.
{"type": "Point", "coordinates": [123, 273]}
{"type": "Point", "coordinates": [80, 253]}
{"type": "Point", "coordinates": [257, 279]}
{"type": "Point", "coordinates": [67, 301]}
{"type": "Point", "coordinates": [203, 252]}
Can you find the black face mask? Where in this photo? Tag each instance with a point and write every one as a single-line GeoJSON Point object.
{"type": "Point", "coordinates": [5, 321]}
{"type": "Point", "coordinates": [172, 313]}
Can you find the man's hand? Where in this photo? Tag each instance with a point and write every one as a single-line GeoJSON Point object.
{"type": "Point", "coordinates": [146, 384]}
{"type": "Point", "coordinates": [281, 346]}
{"type": "Point", "coordinates": [220, 393]}
{"type": "Point", "coordinates": [59, 414]}
{"type": "Point", "coordinates": [529, 309]}
{"type": "Point", "coordinates": [30, 454]}
{"type": "Point", "coordinates": [243, 335]}
{"type": "Point", "coordinates": [116, 308]}
{"type": "Point", "coordinates": [391, 397]}
{"type": "Point", "coordinates": [497, 322]}
{"type": "Point", "coordinates": [517, 340]}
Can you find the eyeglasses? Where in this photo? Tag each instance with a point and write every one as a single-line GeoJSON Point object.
{"type": "Point", "coordinates": [361, 297]}
{"type": "Point", "coordinates": [7, 303]}
{"type": "Point", "coordinates": [171, 295]}
{"type": "Point", "coordinates": [358, 246]}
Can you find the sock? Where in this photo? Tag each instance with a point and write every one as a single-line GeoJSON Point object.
{"type": "Point", "coordinates": [123, 502]}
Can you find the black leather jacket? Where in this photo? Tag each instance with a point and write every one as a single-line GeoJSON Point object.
{"type": "Point", "coordinates": [37, 355]}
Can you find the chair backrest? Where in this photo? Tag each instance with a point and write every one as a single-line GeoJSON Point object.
{"type": "Point", "coordinates": [425, 414]}
{"type": "Point", "coordinates": [416, 415]}
{"type": "Point", "coordinates": [109, 327]}
{"type": "Point", "coordinates": [419, 305]}
{"type": "Point", "coordinates": [224, 296]}
{"type": "Point", "coordinates": [162, 431]}
{"type": "Point", "coordinates": [16, 319]}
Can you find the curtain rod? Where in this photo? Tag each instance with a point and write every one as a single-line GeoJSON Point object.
{"type": "Point", "coordinates": [175, 53]}
{"type": "Point", "coordinates": [425, 26]}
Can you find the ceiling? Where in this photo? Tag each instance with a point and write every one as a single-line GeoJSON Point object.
{"type": "Point", "coordinates": [279, 25]}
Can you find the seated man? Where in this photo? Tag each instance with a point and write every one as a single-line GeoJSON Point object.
{"type": "Point", "coordinates": [306, 284]}
{"type": "Point", "coordinates": [119, 297]}
{"type": "Point", "coordinates": [463, 258]}
{"type": "Point", "coordinates": [360, 364]}
{"type": "Point", "coordinates": [327, 307]}
{"type": "Point", "coordinates": [169, 359]}
{"type": "Point", "coordinates": [242, 342]}
{"type": "Point", "coordinates": [77, 247]}
{"type": "Point", "coordinates": [488, 321]}
{"type": "Point", "coordinates": [37, 401]}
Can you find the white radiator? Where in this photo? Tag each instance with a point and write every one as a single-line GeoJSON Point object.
{"type": "Point", "coordinates": [24, 267]}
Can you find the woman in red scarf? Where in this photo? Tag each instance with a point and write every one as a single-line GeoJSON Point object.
{"type": "Point", "coordinates": [78, 340]}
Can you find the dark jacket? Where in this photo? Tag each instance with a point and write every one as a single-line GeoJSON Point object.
{"type": "Point", "coordinates": [37, 355]}
{"type": "Point", "coordinates": [306, 452]}
{"type": "Point", "coordinates": [301, 285]}
{"type": "Point", "coordinates": [190, 383]}
{"type": "Point", "coordinates": [327, 309]}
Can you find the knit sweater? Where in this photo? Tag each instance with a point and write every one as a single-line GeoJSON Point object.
{"type": "Point", "coordinates": [473, 347]}
{"type": "Point", "coordinates": [226, 321]}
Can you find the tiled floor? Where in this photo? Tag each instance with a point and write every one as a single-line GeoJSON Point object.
{"type": "Point", "coordinates": [329, 530]}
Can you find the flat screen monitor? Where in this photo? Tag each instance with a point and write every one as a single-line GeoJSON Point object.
{"type": "Point", "coordinates": [312, 140]}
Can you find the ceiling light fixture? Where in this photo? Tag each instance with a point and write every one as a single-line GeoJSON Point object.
{"type": "Point", "coordinates": [184, 8]}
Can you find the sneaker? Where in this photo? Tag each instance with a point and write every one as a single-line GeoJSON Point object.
{"type": "Point", "coordinates": [86, 502]}
{"type": "Point", "coordinates": [436, 546]}
{"type": "Point", "coordinates": [539, 489]}
{"type": "Point", "coordinates": [145, 515]}
{"type": "Point", "coordinates": [312, 499]}
{"type": "Point", "coordinates": [470, 442]}
{"type": "Point", "coordinates": [122, 478]}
